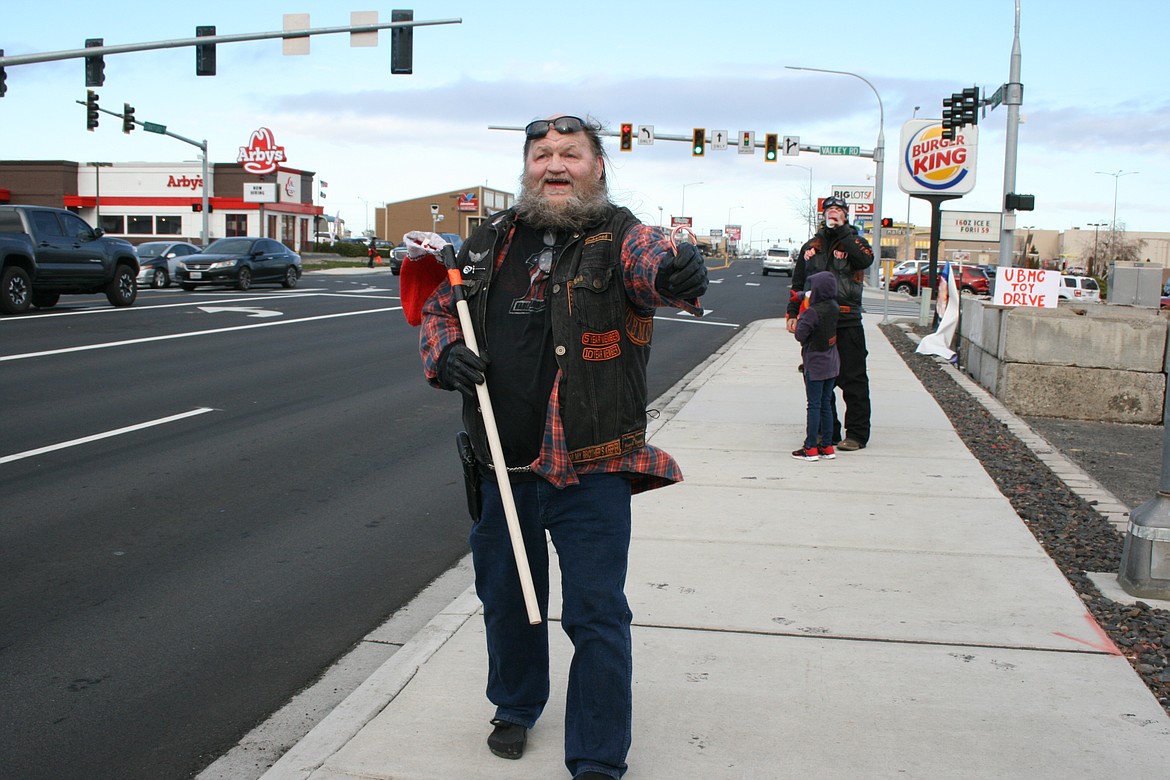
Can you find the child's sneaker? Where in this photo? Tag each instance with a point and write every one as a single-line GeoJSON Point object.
{"type": "Point", "coordinates": [811, 454]}
{"type": "Point", "coordinates": [828, 453]}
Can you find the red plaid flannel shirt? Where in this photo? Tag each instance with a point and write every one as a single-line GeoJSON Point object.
{"type": "Point", "coordinates": [642, 251]}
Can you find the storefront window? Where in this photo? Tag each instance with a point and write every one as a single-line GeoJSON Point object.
{"type": "Point", "coordinates": [169, 226]}
{"type": "Point", "coordinates": [236, 224]}
{"type": "Point", "coordinates": [288, 224]}
{"type": "Point", "coordinates": [140, 226]}
{"type": "Point", "coordinates": [113, 224]}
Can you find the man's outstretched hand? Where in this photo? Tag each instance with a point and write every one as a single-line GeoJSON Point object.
{"type": "Point", "coordinates": [683, 275]}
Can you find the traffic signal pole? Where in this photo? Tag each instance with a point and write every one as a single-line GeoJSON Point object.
{"type": "Point", "coordinates": [1013, 97]}
{"type": "Point", "coordinates": [151, 127]}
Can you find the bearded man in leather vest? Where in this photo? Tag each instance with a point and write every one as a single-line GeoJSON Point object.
{"type": "Point", "coordinates": [562, 290]}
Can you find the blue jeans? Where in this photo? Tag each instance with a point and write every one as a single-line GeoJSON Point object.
{"type": "Point", "coordinates": [819, 430]}
{"type": "Point", "coordinates": [589, 524]}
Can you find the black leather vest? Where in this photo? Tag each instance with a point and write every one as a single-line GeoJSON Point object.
{"type": "Point", "coordinates": [602, 342]}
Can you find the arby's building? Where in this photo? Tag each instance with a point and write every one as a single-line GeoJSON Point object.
{"type": "Point", "coordinates": [258, 195]}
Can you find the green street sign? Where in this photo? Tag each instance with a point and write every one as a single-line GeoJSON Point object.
{"type": "Point", "coordinates": [849, 151]}
{"type": "Point", "coordinates": [151, 127]}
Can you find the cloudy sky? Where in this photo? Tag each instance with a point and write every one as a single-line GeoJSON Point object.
{"type": "Point", "coordinates": [1095, 102]}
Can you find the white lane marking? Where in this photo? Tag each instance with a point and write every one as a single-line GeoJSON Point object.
{"type": "Point", "coordinates": [106, 435]}
{"type": "Point", "coordinates": [694, 320]}
{"type": "Point", "coordinates": [148, 339]}
{"type": "Point", "coordinates": [251, 311]}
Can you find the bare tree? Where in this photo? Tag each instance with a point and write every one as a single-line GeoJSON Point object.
{"type": "Point", "coordinates": [1113, 246]}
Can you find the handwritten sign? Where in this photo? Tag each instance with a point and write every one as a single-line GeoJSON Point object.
{"type": "Point", "coordinates": [1027, 287]}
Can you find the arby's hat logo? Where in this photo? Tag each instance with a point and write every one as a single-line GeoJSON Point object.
{"type": "Point", "coordinates": [261, 155]}
{"type": "Point", "coordinates": [935, 162]}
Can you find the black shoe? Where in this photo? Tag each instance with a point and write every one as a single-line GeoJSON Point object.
{"type": "Point", "coordinates": [507, 739]}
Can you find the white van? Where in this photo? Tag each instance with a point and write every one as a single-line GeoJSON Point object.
{"type": "Point", "coordinates": [780, 259]}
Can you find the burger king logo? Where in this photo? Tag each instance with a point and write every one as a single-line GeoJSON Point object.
{"type": "Point", "coordinates": [938, 164]}
{"type": "Point", "coordinates": [261, 155]}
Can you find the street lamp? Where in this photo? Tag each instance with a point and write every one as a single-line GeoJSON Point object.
{"type": "Point", "coordinates": [1096, 262]}
{"type": "Point", "coordinates": [1113, 227]}
{"type": "Point", "coordinates": [752, 234]}
{"type": "Point", "coordinates": [97, 184]}
{"type": "Point", "coordinates": [660, 222]}
{"type": "Point", "coordinates": [367, 205]}
{"type": "Point", "coordinates": [811, 210]}
{"type": "Point", "coordinates": [683, 213]}
{"type": "Point", "coordinates": [879, 154]}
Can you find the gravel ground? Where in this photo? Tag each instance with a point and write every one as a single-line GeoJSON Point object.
{"type": "Point", "coordinates": [1077, 538]}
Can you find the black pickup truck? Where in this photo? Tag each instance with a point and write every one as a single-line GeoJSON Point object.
{"type": "Point", "coordinates": [46, 253]}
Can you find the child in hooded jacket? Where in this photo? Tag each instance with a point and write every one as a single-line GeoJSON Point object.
{"type": "Point", "coordinates": [816, 330]}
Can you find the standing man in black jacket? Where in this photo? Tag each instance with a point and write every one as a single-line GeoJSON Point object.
{"type": "Point", "coordinates": [837, 247]}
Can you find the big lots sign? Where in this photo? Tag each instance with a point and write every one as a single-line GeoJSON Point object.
{"type": "Point", "coordinates": [1027, 287]}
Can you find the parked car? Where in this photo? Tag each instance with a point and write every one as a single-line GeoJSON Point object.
{"type": "Point", "coordinates": [48, 252]}
{"type": "Point", "coordinates": [971, 279]}
{"type": "Point", "coordinates": [1079, 288]}
{"type": "Point", "coordinates": [904, 267]}
{"type": "Point", "coordinates": [240, 262]}
{"type": "Point", "coordinates": [780, 259]}
{"type": "Point", "coordinates": [158, 261]}
{"type": "Point", "coordinates": [397, 258]}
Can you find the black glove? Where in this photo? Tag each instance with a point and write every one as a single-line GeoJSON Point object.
{"type": "Point", "coordinates": [461, 369]}
{"type": "Point", "coordinates": [683, 275]}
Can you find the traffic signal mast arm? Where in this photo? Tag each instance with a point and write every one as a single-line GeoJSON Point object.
{"type": "Point", "coordinates": [95, 53]}
{"type": "Point", "coordinates": [688, 139]}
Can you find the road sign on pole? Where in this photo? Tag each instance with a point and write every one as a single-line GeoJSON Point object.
{"type": "Point", "coordinates": [747, 142]}
{"type": "Point", "coordinates": [719, 140]}
{"type": "Point", "coordinates": [791, 145]}
{"type": "Point", "coordinates": [848, 151]}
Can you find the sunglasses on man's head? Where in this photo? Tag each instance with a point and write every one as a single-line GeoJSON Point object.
{"type": "Point", "coordinates": [562, 124]}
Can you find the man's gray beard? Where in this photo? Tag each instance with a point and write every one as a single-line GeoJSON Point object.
{"type": "Point", "coordinates": [578, 212]}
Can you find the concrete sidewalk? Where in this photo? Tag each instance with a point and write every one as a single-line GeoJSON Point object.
{"type": "Point", "coordinates": [885, 614]}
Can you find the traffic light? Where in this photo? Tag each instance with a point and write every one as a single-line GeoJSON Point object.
{"type": "Point", "coordinates": [402, 44]}
{"type": "Point", "coordinates": [950, 116]}
{"type": "Point", "coordinates": [91, 109]}
{"type": "Point", "coordinates": [205, 52]}
{"type": "Point", "coordinates": [698, 142]}
{"type": "Point", "coordinates": [127, 117]}
{"type": "Point", "coordinates": [887, 222]}
{"type": "Point", "coordinates": [627, 137]}
{"type": "Point", "coordinates": [770, 144]}
{"type": "Point", "coordinates": [970, 97]}
{"type": "Point", "coordinates": [95, 66]}
{"type": "Point", "coordinates": [3, 77]}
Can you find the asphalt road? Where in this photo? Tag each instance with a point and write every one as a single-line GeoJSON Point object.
{"type": "Point", "coordinates": [210, 496]}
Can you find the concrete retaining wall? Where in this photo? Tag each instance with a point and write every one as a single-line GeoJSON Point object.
{"type": "Point", "coordinates": [1079, 361]}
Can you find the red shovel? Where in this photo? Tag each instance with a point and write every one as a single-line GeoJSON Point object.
{"type": "Point", "coordinates": [419, 279]}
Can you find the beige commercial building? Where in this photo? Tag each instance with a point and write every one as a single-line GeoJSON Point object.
{"type": "Point", "coordinates": [458, 211]}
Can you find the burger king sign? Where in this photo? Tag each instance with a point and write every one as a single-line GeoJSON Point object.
{"type": "Point", "coordinates": [932, 165]}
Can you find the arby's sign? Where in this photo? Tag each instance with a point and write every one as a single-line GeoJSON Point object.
{"type": "Point", "coordinates": [262, 154]}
